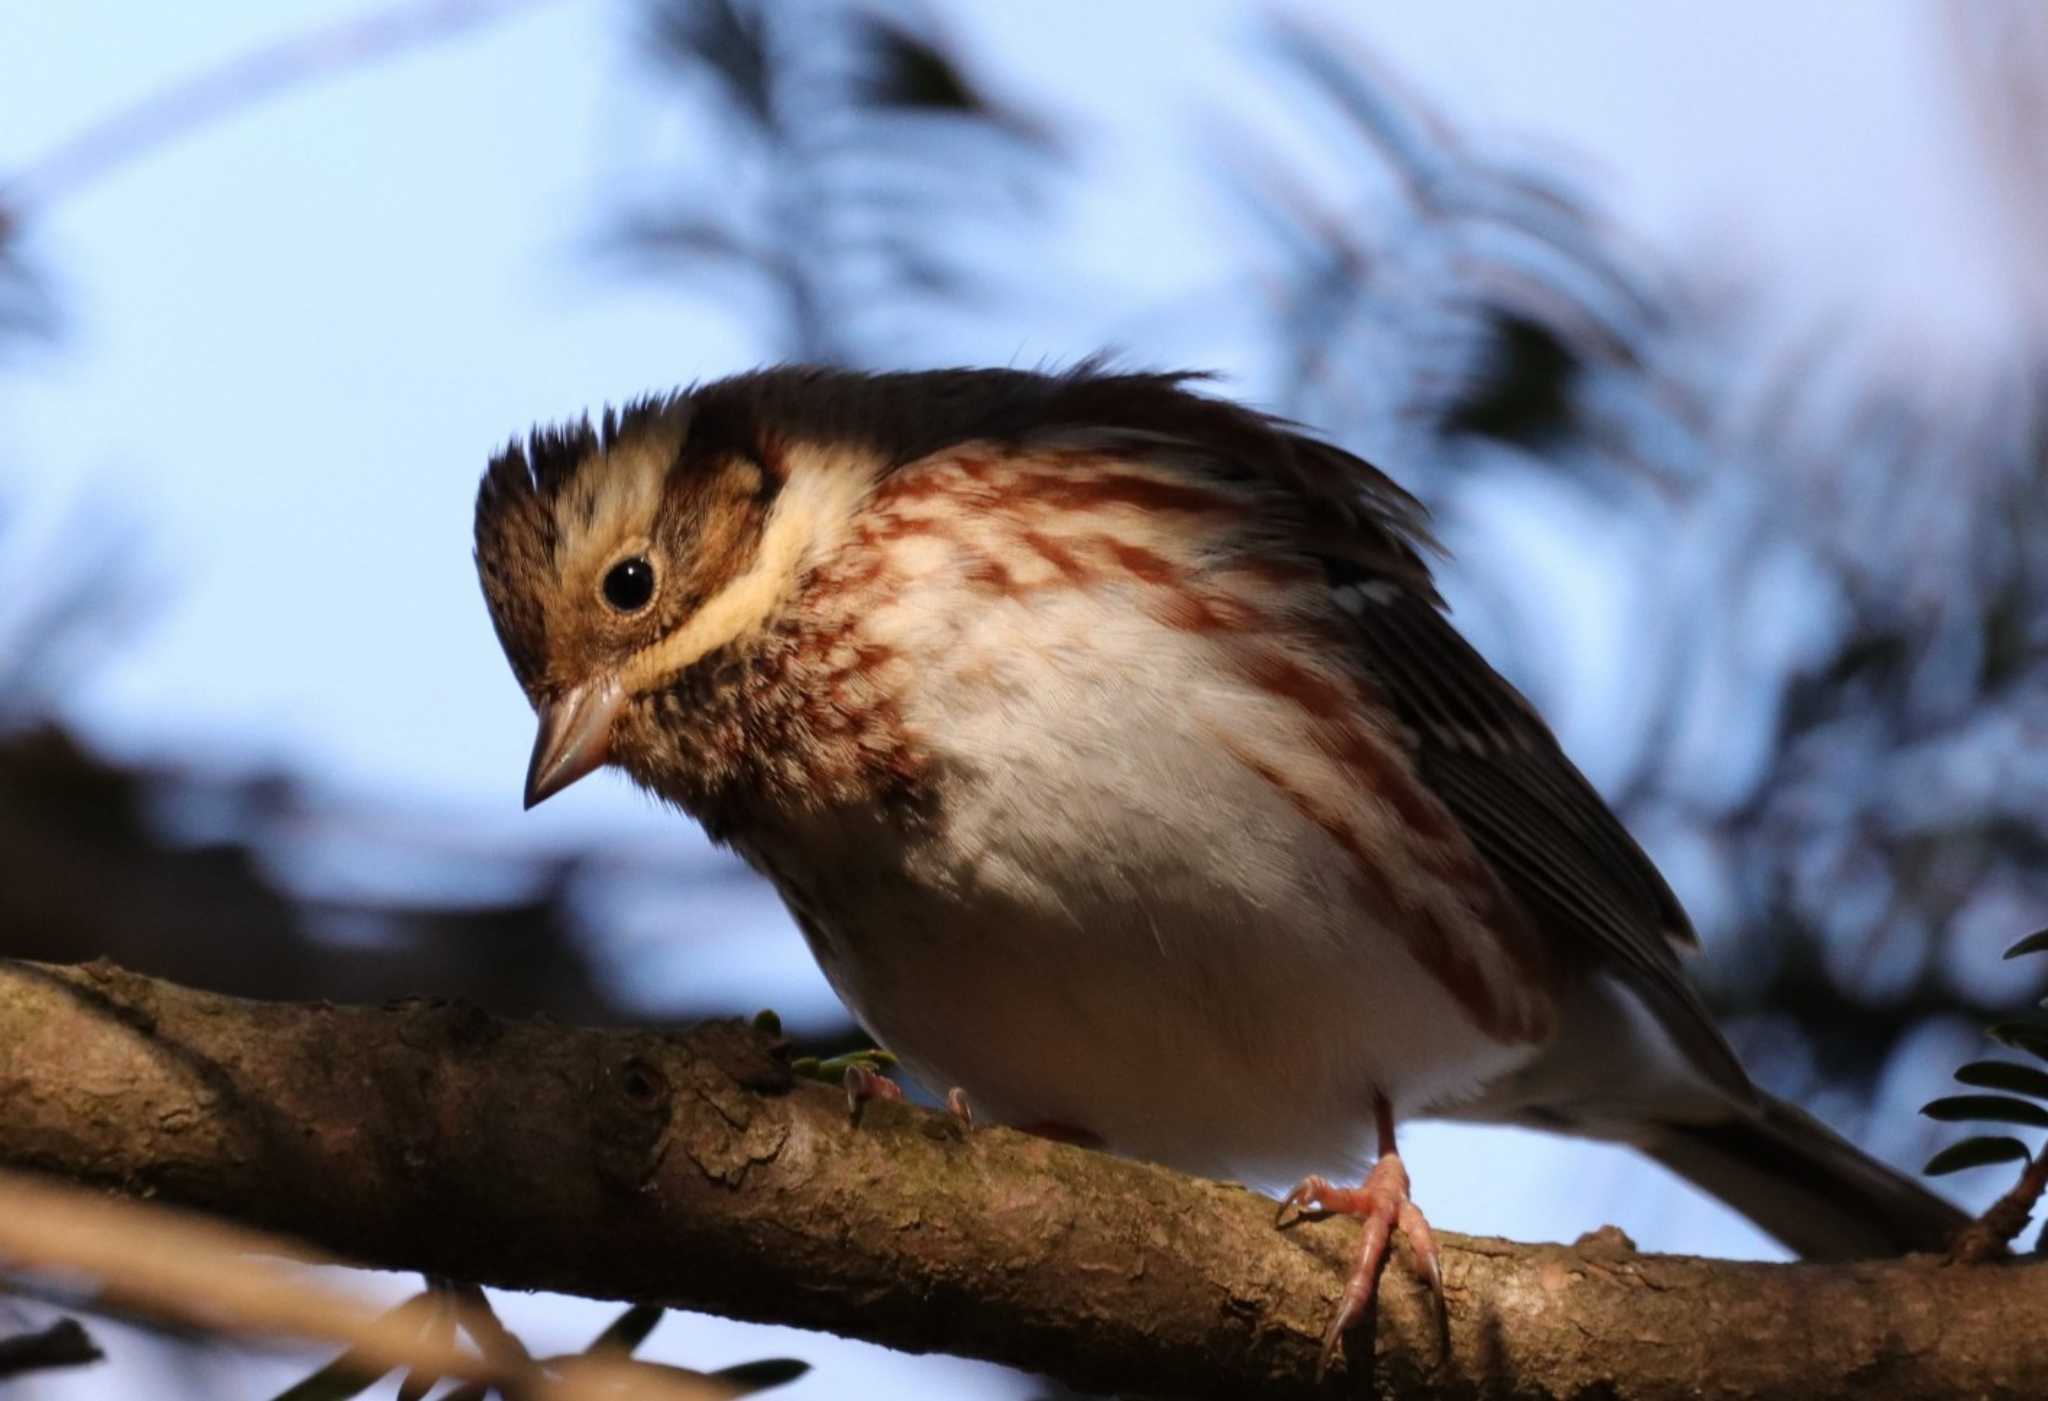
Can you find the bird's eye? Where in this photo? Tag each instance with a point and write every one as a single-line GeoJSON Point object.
{"type": "Point", "coordinates": [629, 585]}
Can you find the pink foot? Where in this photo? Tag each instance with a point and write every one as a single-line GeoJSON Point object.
{"type": "Point", "coordinates": [1383, 1203]}
{"type": "Point", "coordinates": [862, 1085]}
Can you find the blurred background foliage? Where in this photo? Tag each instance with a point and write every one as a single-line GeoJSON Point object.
{"type": "Point", "coordinates": [1818, 571]}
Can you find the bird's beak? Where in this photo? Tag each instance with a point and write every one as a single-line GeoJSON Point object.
{"type": "Point", "coordinates": [575, 737]}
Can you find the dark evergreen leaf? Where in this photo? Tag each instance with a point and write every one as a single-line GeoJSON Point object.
{"type": "Point", "coordinates": [1976, 1152]}
{"type": "Point", "coordinates": [2035, 942]}
{"type": "Point", "coordinates": [2005, 1075]}
{"type": "Point", "coordinates": [352, 1374]}
{"type": "Point", "coordinates": [762, 1375]}
{"type": "Point", "coordinates": [742, 1380]}
{"type": "Point", "coordinates": [906, 70]}
{"type": "Point", "coordinates": [340, 1379]}
{"type": "Point", "coordinates": [1998, 1109]}
{"type": "Point", "coordinates": [2031, 1037]}
{"type": "Point", "coordinates": [1522, 390]}
{"type": "Point", "coordinates": [64, 1343]}
{"type": "Point", "coordinates": [628, 1330]}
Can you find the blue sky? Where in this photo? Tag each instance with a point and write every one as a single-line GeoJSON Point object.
{"type": "Point", "coordinates": [291, 340]}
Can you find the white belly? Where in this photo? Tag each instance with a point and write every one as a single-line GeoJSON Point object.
{"type": "Point", "coordinates": [1111, 924]}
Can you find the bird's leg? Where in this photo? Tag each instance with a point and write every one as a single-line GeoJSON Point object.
{"type": "Point", "coordinates": [1382, 1203]}
{"type": "Point", "coordinates": [864, 1083]}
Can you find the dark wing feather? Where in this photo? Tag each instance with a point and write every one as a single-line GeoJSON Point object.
{"type": "Point", "coordinates": [1483, 750]}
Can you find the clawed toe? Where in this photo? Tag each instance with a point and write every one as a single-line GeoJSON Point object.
{"type": "Point", "coordinates": [1382, 1204]}
{"type": "Point", "coordinates": [1306, 1197]}
{"type": "Point", "coordinates": [863, 1084]}
{"type": "Point", "coordinates": [1429, 1262]}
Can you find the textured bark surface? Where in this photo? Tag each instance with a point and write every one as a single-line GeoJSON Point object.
{"type": "Point", "coordinates": [694, 1169]}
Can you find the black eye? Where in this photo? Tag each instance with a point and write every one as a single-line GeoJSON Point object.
{"type": "Point", "coordinates": [629, 585]}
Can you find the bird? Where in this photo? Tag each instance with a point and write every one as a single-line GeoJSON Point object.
{"type": "Point", "coordinates": [1111, 746]}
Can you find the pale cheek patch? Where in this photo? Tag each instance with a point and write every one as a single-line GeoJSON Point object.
{"type": "Point", "coordinates": [809, 520]}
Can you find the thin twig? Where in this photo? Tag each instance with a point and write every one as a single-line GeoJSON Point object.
{"type": "Point", "coordinates": [241, 82]}
{"type": "Point", "coordinates": [172, 1265]}
{"type": "Point", "coordinates": [1992, 1233]}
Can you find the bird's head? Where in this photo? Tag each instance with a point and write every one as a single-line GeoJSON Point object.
{"type": "Point", "coordinates": [623, 562]}
{"type": "Point", "coordinates": [615, 557]}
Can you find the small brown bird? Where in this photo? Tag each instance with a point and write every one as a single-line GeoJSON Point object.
{"type": "Point", "coordinates": [1111, 748]}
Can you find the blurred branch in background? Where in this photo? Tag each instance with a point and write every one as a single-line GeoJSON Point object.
{"type": "Point", "coordinates": [90, 867]}
{"type": "Point", "coordinates": [1836, 574]}
{"type": "Point", "coordinates": [1890, 842]}
{"type": "Point", "coordinates": [1453, 297]}
{"type": "Point", "coordinates": [24, 302]}
{"type": "Point", "coordinates": [204, 1278]}
{"type": "Point", "coordinates": [251, 885]}
{"type": "Point", "coordinates": [261, 74]}
{"type": "Point", "coordinates": [852, 148]}
{"type": "Point", "coordinates": [70, 592]}
{"type": "Point", "coordinates": [1999, 68]}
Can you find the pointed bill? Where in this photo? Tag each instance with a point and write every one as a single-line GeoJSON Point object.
{"type": "Point", "coordinates": [575, 737]}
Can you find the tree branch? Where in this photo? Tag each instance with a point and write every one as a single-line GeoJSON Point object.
{"type": "Point", "coordinates": [693, 1169]}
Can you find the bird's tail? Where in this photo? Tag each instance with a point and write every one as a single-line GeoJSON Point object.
{"type": "Point", "coordinates": [1796, 1178]}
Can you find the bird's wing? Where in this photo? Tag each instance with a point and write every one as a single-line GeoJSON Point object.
{"type": "Point", "coordinates": [1475, 742]}
{"type": "Point", "coordinates": [1484, 751]}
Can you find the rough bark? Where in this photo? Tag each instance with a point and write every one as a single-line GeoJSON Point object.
{"type": "Point", "coordinates": [693, 1168]}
